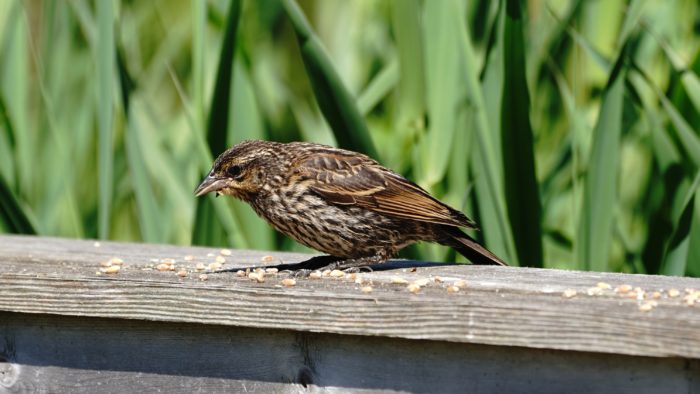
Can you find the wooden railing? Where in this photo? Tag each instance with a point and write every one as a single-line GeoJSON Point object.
{"type": "Point", "coordinates": [71, 322]}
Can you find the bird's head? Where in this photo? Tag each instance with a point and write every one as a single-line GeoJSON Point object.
{"type": "Point", "coordinates": [241, 171]}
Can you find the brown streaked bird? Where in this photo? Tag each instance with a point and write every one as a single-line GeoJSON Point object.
{"type": "Point", "coordinates": [339, 202]}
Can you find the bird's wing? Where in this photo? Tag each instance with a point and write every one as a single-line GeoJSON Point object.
{"type": "Point", "coordinates": [360, 181]}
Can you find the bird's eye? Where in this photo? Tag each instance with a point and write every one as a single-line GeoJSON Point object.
{"type": "Point", "coordinates": [234, 171]}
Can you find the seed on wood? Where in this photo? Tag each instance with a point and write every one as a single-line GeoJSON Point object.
{"type": "Point", "coordinates": [622, 289]}
{"type": "Point", "coordinates": [225, 252]}
{"type": "Point", "coordinates": [167, 261]}
{"type": "Point", "coordinates": [182, 273]}
{"type": "Point", "coordinates": [189, 257]}
{"type": "Point", "coordinates": [220, 259]}
{"type": "Point", "coordinates": [203, 277]}
{"type": "Point", "coordinates": [106, 264]}
{"type": "Point", "coordinates": [163, 267]}
{"type": "Point", "coordinates": [200, 267]}
{"type": "Point", "coordinates": [452, 289]}
{"type": "Point", "coordinates": [337, 273]}
{"type": "Point", "coordinates": [96, 244]}
{"type": "Point", "coordinates": [594, 291]}
{"type": "Point", "coordinates": [673, 293]}
{"type": "Point", "coordinates": [438, 279]}
{"type": "Point", "coordinates": [646, 307]}
{"type": "Point", "coordinates": [214, 266]}
{"type": "Point", "coordinates": [603, 285]}
{"type": "Point", "coordinates": [421, 282]}
{"type": "Point", "coordinates": [289, 282]}
{"type": "Point", "coordinates": [240, 273]}
{"type": "Point", "coordinates": [366, 289]}
{"type": "Point", "coordinates": [413, 288]}
{"type": "Point", "coordinates": [111, 270]}
{"type": "Point", "coordinates": [398, 280]}
{"type": "Point", "coordinates": [315, 275]}
{"type": "Point", "coordinates": [271, 270]}
{"type": "Point", "coordinates": [569, 293]}
{"type": "Point", "coordinates": [326, 273]}
{"type": "Point", "coordinates": [266, 259]}
{"type": "Point", "coordinates": [257, 276]}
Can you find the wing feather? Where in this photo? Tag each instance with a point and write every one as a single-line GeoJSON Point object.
{"type": "Point", "coordinates": [346, 179]}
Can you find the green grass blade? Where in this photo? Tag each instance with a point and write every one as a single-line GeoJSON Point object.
{"type": "Point", "coordinates": [105, 75]}
{"type": "Point", "coordinates": [442, 23]}
{"type": "Point", "coordinates": [336, 103]}
{"type": "Point", "coordinates": [521, 190]}
{"type": "Point", "coordinates": [692, 262]}
{"type": "Point", "coordinates": [600, 185]}
{"type": "Point", "coordinates": [208, 230]}
{"type": "Point", "coordinates": [489, 188]}
{"type": "Point", "coordinates": [410, 101]}
{"type": "Point", "coordinates": [378, 88]}
{"type": "Point", "coordinates": [12, 215]}
{"type": "Point", "coordinates": [677, 251]}
{"type": "Point", "coordinates": [151, 219]}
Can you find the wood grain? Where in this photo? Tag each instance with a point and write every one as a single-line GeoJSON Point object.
{"type": "Point", "coordinates": [499, 306]}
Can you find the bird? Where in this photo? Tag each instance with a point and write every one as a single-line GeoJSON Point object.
{"type": "Point", "coordinates": [339, 202]}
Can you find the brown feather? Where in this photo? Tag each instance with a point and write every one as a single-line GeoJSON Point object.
{"type": "Point", "coordinates": [345, 180]}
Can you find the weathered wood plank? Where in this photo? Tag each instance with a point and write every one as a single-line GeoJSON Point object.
{"type": "Point", "coordinates": [54, 354]}
{"type": "Point", "coordinates": [500, 305]}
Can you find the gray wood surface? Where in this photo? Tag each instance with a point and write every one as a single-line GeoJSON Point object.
{"type": "Point", "coordinates": [57, 354]}
{"type": "Point", "coordinates": [499, 306]}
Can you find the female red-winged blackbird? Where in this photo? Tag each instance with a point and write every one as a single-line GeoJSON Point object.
{"type": "Point", "coordinates": [338, 202]}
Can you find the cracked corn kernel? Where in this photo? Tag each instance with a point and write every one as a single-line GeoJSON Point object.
{"type": "Point", "coordinates": [289, 282]}
{"type": "Point", "coordinates": [413, 288]}
{"type": "Point", "coordinates": [315, 275]}
{"type": "Point", "coordinates": [622, 289]}
{"type": "Point", "coordinates": [111, 270]}
{"type": "Point", "coordinates": [366, 289]}
{"type": "Point", "coordinates": [337, 274]}
{"type": "Point", "coordinates": [421, 282]}
{"type": "Point", "coordinates": [460, 283]}
{"type": "Point", "coordinates": [646, 307]}
{"type": "Point", "coordinates": [257, 276]}
{"type": "Point", "coordinates": [603, 285]}
{"type": "Point", "coordinates": [271, 270]}
{"type": "Point", "coordinates": [163, 267]}
{"type": "Point", "coordinates": [452, 289]}
{"type": "Point", "coordinates": [182, 273]}
{"type": "Point", "coordinates": [398, 280]}
{"type": "Point", "coordinates": [569, 293]}
{"type": "Point", "coordinates": [240, 273]}
{"type": "Point", "coordinates": [673, 293]}
{"type": "Point", "coordinates": [594, 291]}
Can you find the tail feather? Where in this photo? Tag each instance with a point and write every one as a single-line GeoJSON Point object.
{"type": "Point", "coordinates": [468, 247]}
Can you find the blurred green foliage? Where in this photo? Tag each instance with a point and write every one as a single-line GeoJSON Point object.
{"type": "Point", "coordinates": [567, 129]}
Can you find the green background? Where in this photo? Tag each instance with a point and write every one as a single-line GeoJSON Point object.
{"type": "Point", "coordinates": [567, 129]}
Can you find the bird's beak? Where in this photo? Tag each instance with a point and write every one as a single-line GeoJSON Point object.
{"type": "Point", "coordinates": [210, 184]}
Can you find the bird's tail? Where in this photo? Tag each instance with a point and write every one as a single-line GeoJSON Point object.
{"type": "Point", "coordinates": [468, 247]}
